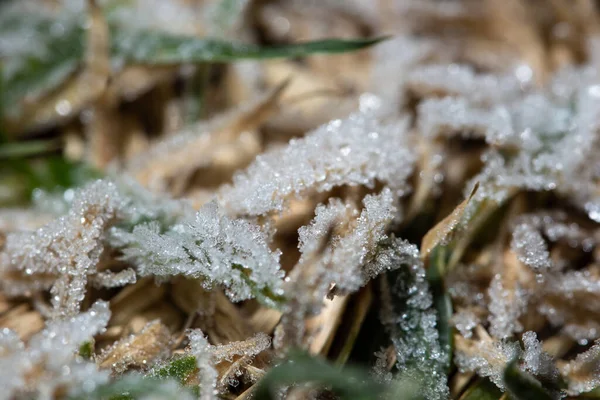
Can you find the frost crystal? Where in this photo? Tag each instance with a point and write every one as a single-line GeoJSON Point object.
{"type": "Point", "coordinates": [409, 317]}
{"type": "Point", "coordinates": [70, 246]}
{"type": "Point", "coordinates": [583, 372]}
{"type": "Point", "coordinates": [207, 374]}
{"type": "Point", "coordinates": [487, 357]}
{"type": "Point", "coordinates": [460, 80]}
{"type": "Point", "coordinates": [211, 246]}
{"type": "Point", "coordinates": [506, 307]}
{"type": "Point", "coordinates": [536, 361]}
{"type": "Point", "coordinates": [342, 263]}
{"type": "Point", "coordinates": [208, 356]}
{"type": "Point", "coordinates": [53, 351]}
{"type": "Point", "coordinates": [449, 116]}
{"type": "Point", "coordinates": [357, 150]}
{"type": "Point", "coordinates": [530, 247]}
{"type": "Point", "coordinates": [465, 321]}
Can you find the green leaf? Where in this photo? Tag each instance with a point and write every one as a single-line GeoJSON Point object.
{"type": "Point", "coordinates": [441, 300]}
{"type": "Point", "coordinates": [20, 177]}
{"type": "Point", "coordinates": [523, 386]}
{"type": "Point", "coordinates": [179, 369]}
{"type": "Point", "coordinates": [21, 149]}
{"type": "Point", "coordinates": [159, 48]}
{"type": "Point", "coordinates": [347, 383]}
{"type": "Point", "coordinates": [482, 390]}
{"type": "Point", "coordinates": [86, 350]}
{"type": "Point", "coordinates": [265, 295]}
{"type": "Point", "coordinates": [133, 386]}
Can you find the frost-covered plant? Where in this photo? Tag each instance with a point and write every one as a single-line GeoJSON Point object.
{"type": "Point", "coordinates": [409, 316]}
{"type": "Point", "coordinates": [69, 247]}
{"type": "Point", "coordinates": [211, 246]}
{"type": "Point", "coordinates": [208, 357]}
{"type": "Point", "coordinates": [336, 249]}
{"type": "Point", "coordinates": [49, 363]}
{"type": "Point", "coordinates": [358, 150]}
{"type": "Point", "coordinates": [489, 357]}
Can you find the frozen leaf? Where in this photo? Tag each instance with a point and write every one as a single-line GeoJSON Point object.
{"type": "Point", "coordinates": [358, 150]}
{"type": "Point", "coordinates": [208, 356]}
{"type": "Point", "coordinates": [410, 318]}
{"type": "Point", "coordinates": [337, 247]}
{"type": "Point", "coordinates": [210, 246]}
{"type": "Point", "coordinates": [461, 80]}
{"type": "Point", "coordinates": [160, 48]}
{"type": "Point", "coordinates": [68, 247]}
{"type": "Point", "coordinates": [455, 116]}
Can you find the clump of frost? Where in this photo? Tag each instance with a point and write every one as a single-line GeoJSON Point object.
{"type": "Point", "coordinates": [488, 359]}
{"type": "Point", "coordinates": [345, 261]}
{"type": "Point", "coordinates": [449, 116]}
{"type": "Point", "coordinates": [465, 320]}
{"type": "Point", "coordinates": [461, 80]}
{"type": "Point", "coordinates": [208, 356]}
{"type": "Point", "coordinates": [230, 252]}
{"type": "Point", "coordinates": [68, 247]}
{"type": "Point", "coordinates": [536, 361]}
{"type": "Point", "coordinates": [506, 306]}
{"type": "Point", "coordinates": [530, 247]}
{"type": "Point", "coordinates": [358, 150]}
{"type": "Point", "coordinates": [411, 320]}
{"type": "Point", "coordinates": [584, 371]}
{"type": "Point", "coordinates": [53, 351]}
{"type": "Point", "coordinates": [207, 373]}
{"type": "Point", "coordinates": [566, 297]}
{"type": "Point", "coordinates": [336, 249]}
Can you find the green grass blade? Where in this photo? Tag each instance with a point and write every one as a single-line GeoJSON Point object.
{"type": "Point", "coordinates": [523, 386]}
{"type": "Point", "coordinates": [158, 48]}
{"type": "Point", "coordinates": [347, 383]}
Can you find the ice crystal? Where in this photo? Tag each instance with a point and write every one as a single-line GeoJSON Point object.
{"type": "Point", "coordinates": [208, 356]}
{"type": "Point", "coordinates": [568, 298]}
{"type": "Point", "coordinates": [448, 116]}
{"type": "Point", "coordinates": [211, 246]}
{"type": "Point", "coordinates": [336, 248]}
{"type": "Point", "coordinates": [461, 80]}
{"type": "Point", "coordinates": [583, 371]}
{"type": "Point", "coordinates": [342, 263]}
{"type": "Point", "coordinates": [488, 358]}
{"type": "Point", "coordinates": [506, 307]}
{"type": "Point", "coordinates": [465, 321]}
{"type": "Point", "coordinates": [358, 150]}
{"type": "Point", "coordinates": [411, 320]}
{"type": "Point", "coordinates": [53, 351]}
{"type": "Point", "coordinates": [536, 361]}
{"type": "Point", "coordinates": [70, 246]}
{"type": "Point", "coordinates": [530, 247]}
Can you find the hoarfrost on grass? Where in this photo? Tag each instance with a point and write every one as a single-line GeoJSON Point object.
{"type": "Point", "coordinates": [411, 320]}
{"type": "Point", "coordinates": [54, 350]}
{"type": "Point", "coordinates": [233, 253]}
{"type": "Point", "coordinates": [68, 247]}
{"type": "Point", "coordinates": [506, 306]}
{"type": "Point", "coordinates": [358, 150]}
